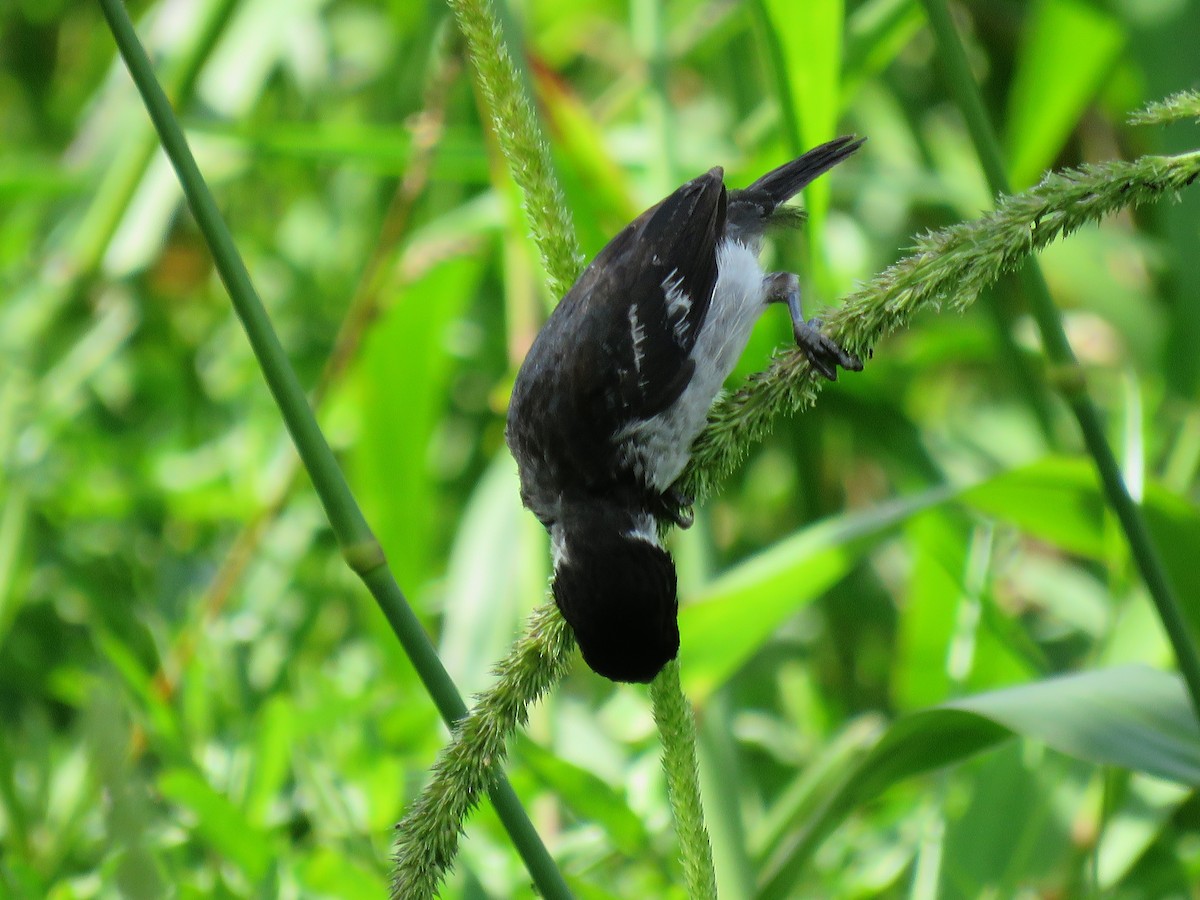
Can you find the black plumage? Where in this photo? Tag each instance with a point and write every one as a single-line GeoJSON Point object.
{"type": "Point", "coordinates": [615, 388]}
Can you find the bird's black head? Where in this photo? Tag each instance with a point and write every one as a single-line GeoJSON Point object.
{"type": "Point", "coordinates": [617, 591]}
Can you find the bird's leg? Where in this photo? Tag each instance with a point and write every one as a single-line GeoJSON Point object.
{"type": "Point", "coordinates": [821, 350]}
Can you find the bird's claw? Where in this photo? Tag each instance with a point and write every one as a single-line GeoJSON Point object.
{"type": "Point", "coordinates": [676, 506]}
{"type": "Point", "coordinates": [822, 351]}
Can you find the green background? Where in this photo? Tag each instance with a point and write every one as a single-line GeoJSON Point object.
{"type": "Point", "coordinates": [199, 700]}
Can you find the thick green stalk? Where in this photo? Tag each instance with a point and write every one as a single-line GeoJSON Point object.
{"type": "Point", "coordinates": [1066, 374]}
{"type": "Point", "coordinates": [359, 546]}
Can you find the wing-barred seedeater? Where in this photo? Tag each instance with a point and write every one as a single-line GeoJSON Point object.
{"type": "Point", "coordinates": [618, 383]}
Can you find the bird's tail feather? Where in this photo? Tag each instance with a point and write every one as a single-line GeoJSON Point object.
{"type": "Point", "coordinates": [780, 185]}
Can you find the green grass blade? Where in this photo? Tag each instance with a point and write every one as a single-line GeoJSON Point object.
{"type": "Point", "coordinates": [734, 615]}
{"type": "Point", "coordinates": [1066, 374]}
{"type": "Point", "coordinates": [1047, 98]}
{"type": "Point", "coordinates": [1131, 716]}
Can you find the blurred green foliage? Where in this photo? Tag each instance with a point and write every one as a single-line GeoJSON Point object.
{"type": "Point", "coordinates": [199, 700]}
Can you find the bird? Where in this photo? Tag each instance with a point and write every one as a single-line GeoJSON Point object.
{"type": "Point", "coordinates": [617, 385]}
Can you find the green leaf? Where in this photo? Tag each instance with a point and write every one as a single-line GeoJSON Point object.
{"type": "Point", "coordinates": [160, 714]}
{"type": "Point", "coordinates": [737, 613]}
{"type": "Point", "coordinates": [1052, 86]}
{"type": "Point", "coordinates": [219, 822]}
{"type": "Point", "coordinates": [328, 873]}
{"type": "Point", "coordinates": [497, 571]}
{"type": "Point", "coordinates": [589, 797]}
{"type": "Point", "coordinates": [938, 549]}
{"type": "Point", "coordinates": [1010, 832]}
{"type": "Point", "coordinates": [824, 771]}
{"type": "Point", "coordinates": [273, 741]}
{"type": "Point", "coordinates": [1146, 809]}
{"type": "Point", "coordinates": [401, 376]}
{"type": "Point", "coordinates": [382, 149]}
{"type": "Point", "coordinates": [1174, 524]}
{"type": "Point", "coordinates": [876, 32]}
{"type": "Point", "coordinates": [1057, 500]}
{"type": "Point", "coordinates": [1131, 716]}
{"type": "Point", "coordinates": [812, 57]}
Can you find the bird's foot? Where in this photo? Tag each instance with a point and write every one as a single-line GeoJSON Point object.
{"type": "Point", "coordinates": [675, 506]}
{"type": "Point", "coordinates": [822, 351]}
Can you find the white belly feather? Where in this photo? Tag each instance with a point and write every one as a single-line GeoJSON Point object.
{"type": "Point", "coordinates": [659, 447]}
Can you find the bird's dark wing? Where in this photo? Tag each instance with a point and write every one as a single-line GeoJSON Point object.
{"type": "Point", "coordinates": [616, 349]}
{"type": "Point", "coordinates": [649, 291]}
